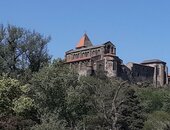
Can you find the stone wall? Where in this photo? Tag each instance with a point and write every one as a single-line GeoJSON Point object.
{"type": "Point", "coordinates": [141, 73]}
{"type": "Point", "coordinates": [160, 72]}
{"type": "Point", "coordinates": [88, 60]}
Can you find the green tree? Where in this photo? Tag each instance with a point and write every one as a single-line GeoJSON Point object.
{"type": "Point", "coordinates": [49, 86]}
{"type": "Point", "coordinates": [109, 101]}
{"type": "Point", "coordinates": [158, 120]}
{"type": "Point", "coordinates": [155, 99]}
{"type": "Point", "coordinates": [50, 122]}
{"type": "Point", "coordinates": [85, 102]}
{"type": "Point", "coordinates": [15, 106]}
{"type": "Point", "coordinates": [132, 113]}
{"type": "Point", "coordinates": [21, 49]}
{"type": "Point", "coordinates": [9, 91]}
{"type": "Point", "coordinates": [57, 90]}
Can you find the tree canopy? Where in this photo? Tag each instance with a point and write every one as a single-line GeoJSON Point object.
{"type": "Point", "coordinates": [37, 93]}
{"type": "Point", "coordinates": [22, 50]}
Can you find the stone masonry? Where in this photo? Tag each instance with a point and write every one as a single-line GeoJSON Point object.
{"type": "Point", "coordinates": [87, 59]}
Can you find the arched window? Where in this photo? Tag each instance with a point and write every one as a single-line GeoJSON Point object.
{"type": "Point", "coordinates": [86, 54]}
{"type": "Point", "coordinates": [73, 56]}
{"type": "Point", "coordinates": [114, 65]}
{"type": "Point", "coordinates": [98, 51]}
{"type": "Point", "coordinates": [107, 49]}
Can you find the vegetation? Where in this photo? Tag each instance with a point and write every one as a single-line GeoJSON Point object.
{"type": "Point", "coordinates": [39, 94]}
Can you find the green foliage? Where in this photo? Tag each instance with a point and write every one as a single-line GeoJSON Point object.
{"type": "Point", "coordinates": [12, 97]}
{"type": "Point", "coordinates": [85, 102]}
{"type": "Point", "coordinates": [50, 122]}
{"type": "Point", "coordinates": [9, 91]}
{"type": "Point", "coordinates": [17, 110]}
{"type": "Point", "coordinates": [23, 103]}
{"type": "Point", "coordinates": [132, 113]}
{"type": "Point", "coordinates": [50, 84]}
{"type": "Point", "coordinates": [15, 123]}
{"type": "Point", "coordinates": [113, 105]}
{"type": "Point", "coordinates": [156, 102]}
{"type": "Point", "coordinates": [21, 50]}
{"type": "Point", "coordinates": [158, 120]}
{"type": "Point", "coordinates": [76, 104]}
{"type": "Point", "coordinates": [154, 99]}
{"type": "Point", "coordinates": [65, 101]}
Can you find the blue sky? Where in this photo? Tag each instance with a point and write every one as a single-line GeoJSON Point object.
{"type": "Point", "coordinates": [140, 29]}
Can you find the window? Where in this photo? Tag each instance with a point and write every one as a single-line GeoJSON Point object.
{"type": "Point", "coordinates": [100, 66]}
{"type": "Point", "coordinates": [83, 55]}
{"type": "Point", "coordinates": [112, 50]}
{"type": "Point", "coordinates": [114, 65]}
{"type": "Point", "coordinates": [98, 51]}
{"type": "Point", "coordinates": [157, 70]}
{"type": "Point", "coordinates": [107, 49]}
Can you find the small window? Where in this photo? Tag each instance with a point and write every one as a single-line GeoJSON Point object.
{"type": "Point", "coordinates": [114, 65]}
{"type": "Point", "coordinates": [107, 49]}
{"type": "Point", "coordinates": [86, 54]}
{"type": "Point", "coordinates": [99, 51]}
{"type": "Point", "coordinates": [112, 50]}
{"type": "Point", "coordinates": [100, 66]}
{"type": "Point", "coordinates": [157, 70]}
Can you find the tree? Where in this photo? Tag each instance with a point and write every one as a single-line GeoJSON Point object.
{"type": "Point", "coordinates": [156, 105]}
{"type": "Point", "coordinates": [132, 114]}
{"type": "Point", "coordinates": [9, 91]}
{"type": "Point", "coordinates": [50, 122]}
{"type": "Point", "coordinates": [17, 110]}
{"type": "Point", "coordinates": [49, 86]}
{"type": "Point", "coordinates": [21, 49]}
{"type": "Point", "coordinates": [158, 120]}
{"type": "Point", "coordinates": [85, 102]}
{"type": "Point", "coordinates": [109, 101]}
{"type": "Point", "coordinates": [155, 99]}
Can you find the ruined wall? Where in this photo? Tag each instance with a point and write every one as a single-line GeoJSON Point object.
{"type": "Point", "coordinates": [160, 73]}
{"type": "Point", "coordinates": [124, 73]}
{"type": "Point", "coordinates": [88, 60]}
{"type": "Point", "coordinates": [141, 73]}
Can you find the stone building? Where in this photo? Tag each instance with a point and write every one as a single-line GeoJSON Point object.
{"type": "Point", "coordinates": [154, 71]}
{"type": "Point", "coordinates": [88, 59]}
{"type": "Point", "coordinates": [169, 79]}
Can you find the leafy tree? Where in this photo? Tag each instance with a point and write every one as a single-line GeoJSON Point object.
{"type": "Point", "coordinates": [155, 99]}
{"type": "Point", "coordinates": [49, 86]}
{"type": "Point", "coordinates": [156, 104]}
{"type": "Point", "coordinates": [15, 123]}
{"type": "Point", "coordinates": [50, 122]}
{"type": "Point", "coordinates": [77, 106]}
{"type": "Point", "coordinates": [158, 120]}
{"type": "Point", "coordinates": [15, 105]}
{"type": "Point", "coordinates": [9, 91]}
{"type": "Point", "coordinates": [110, 100]}
{"type": "Point", "coordinates": [57, 90]}
{"type": "Point", "coordinates": [21, 49]}
{"type": "Point", "coordinates": [132, 115]}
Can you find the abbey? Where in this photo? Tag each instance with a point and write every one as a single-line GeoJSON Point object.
{"type": "Point", "coordinates": [87, 59]}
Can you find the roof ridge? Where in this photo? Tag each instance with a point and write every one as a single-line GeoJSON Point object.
{"type": "Point", "coordinates": [84, 42]}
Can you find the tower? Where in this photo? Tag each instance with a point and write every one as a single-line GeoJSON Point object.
{"type": "Point", "coordinates": [160, 71]}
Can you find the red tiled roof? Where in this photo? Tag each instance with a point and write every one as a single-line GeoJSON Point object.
{"type": "Point", "coordinates": [84, 42]}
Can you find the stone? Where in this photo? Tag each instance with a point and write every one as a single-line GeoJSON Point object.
{"type": "Point", "coordinates": [88, 59]}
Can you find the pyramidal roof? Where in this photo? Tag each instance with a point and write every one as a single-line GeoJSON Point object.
{"type": "Point", "coordinates": [84, 42]}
